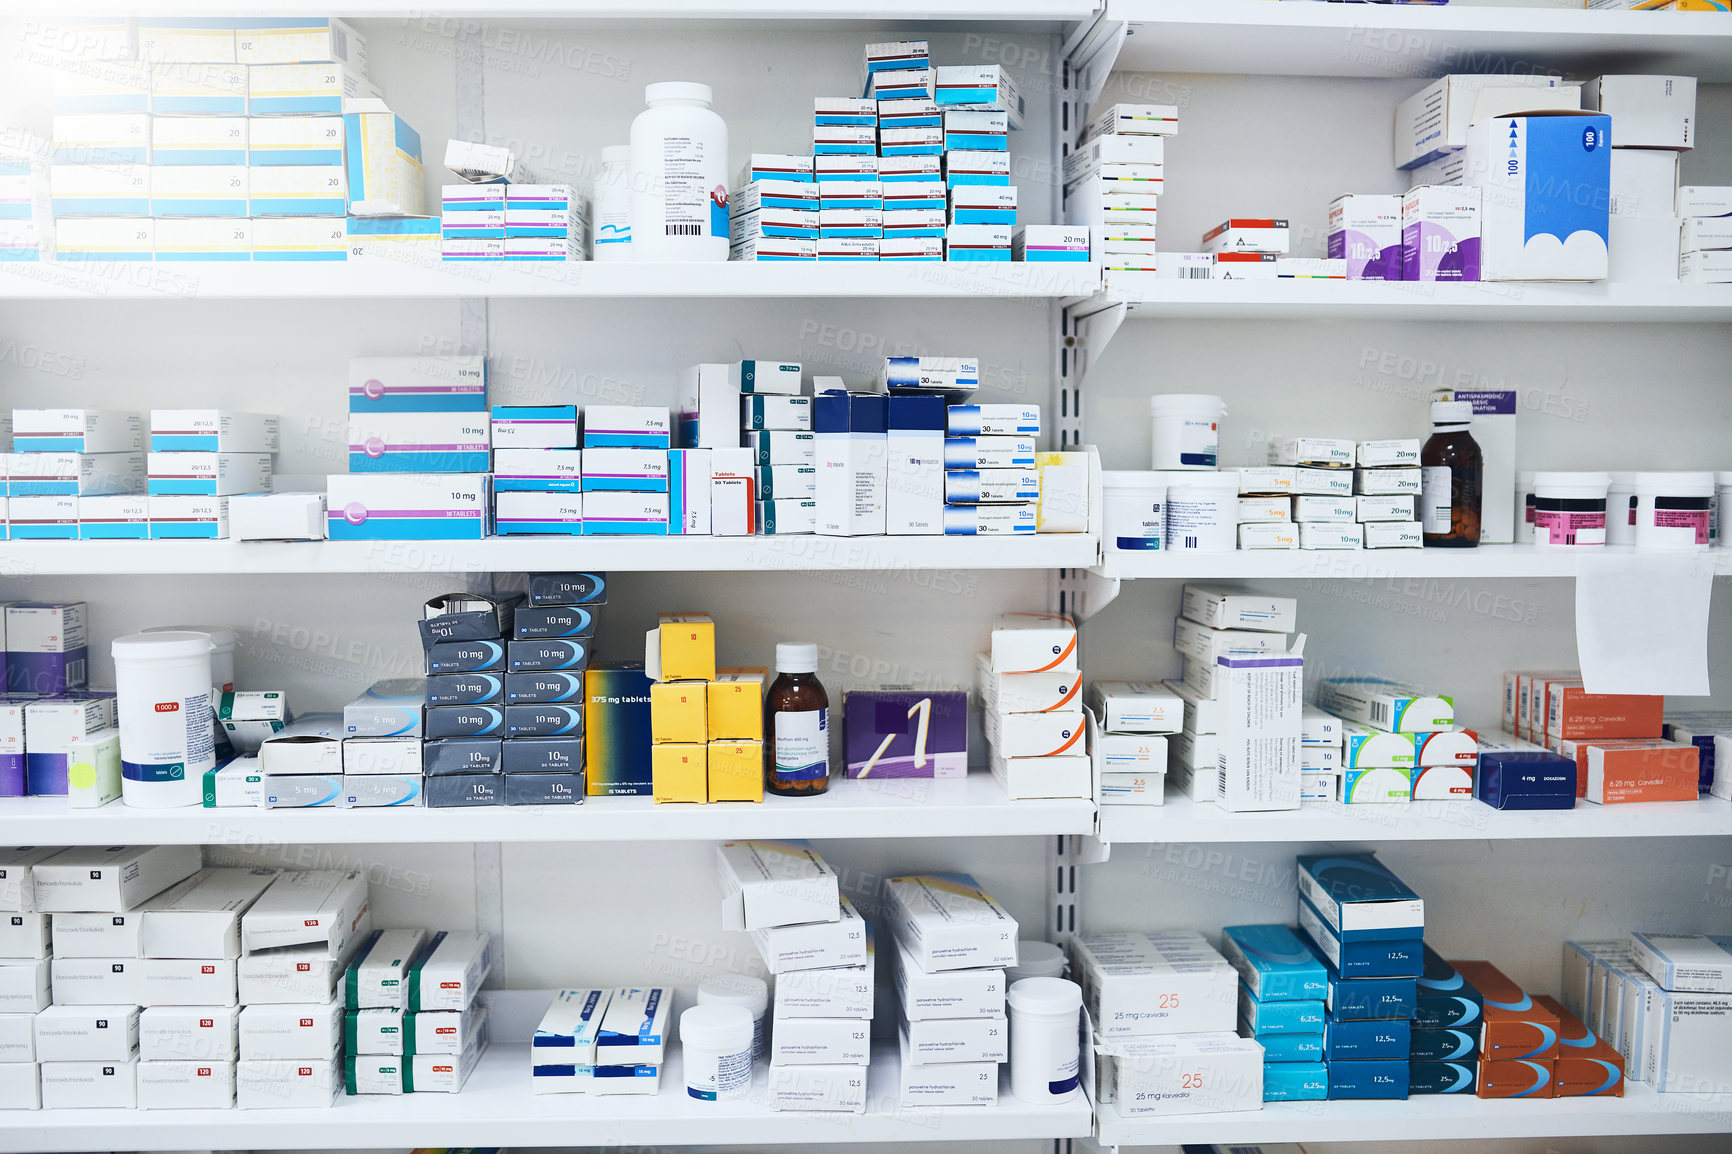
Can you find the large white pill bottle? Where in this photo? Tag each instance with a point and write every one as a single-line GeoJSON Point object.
{"type": "Point", "coordinates": [679, 176]}
{"type": "Point", "coordinates": [162, 684]}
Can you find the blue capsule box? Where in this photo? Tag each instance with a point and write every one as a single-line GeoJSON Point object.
{"type": "Point", "coordinates": [1382, 1038]}
{"type": "Point", "coordinates": [1274, 963]}
{"type": "Point", "coordinates": [1295, 1082]}
{"type": "Point", "coordinates": [1446, 999]}
{"type": "Point", "coordinates": [1444, 1046]}
{"type": "Point", "coordinates": [1368, 1080]}
{"type": "Point", "coordinates": [1443, 1077]}
{"type": "Point", "coordinates": [1359, 898]}
{"type": "Point", "coordinates": [1279, 1017]}
{"type": "Point", "coordinates": [1376, 958]}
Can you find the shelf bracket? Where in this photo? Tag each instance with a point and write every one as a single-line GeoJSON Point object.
{"type": "Point", "coordinates": [1098, 591]}
{"type": "Point", "coordinates": [1090, 54]}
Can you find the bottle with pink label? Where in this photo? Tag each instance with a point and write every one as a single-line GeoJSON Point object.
{"type": "Point", "coordinates": [1569, 509]}
{"type": "Point", "coordinates": [1672, 511]}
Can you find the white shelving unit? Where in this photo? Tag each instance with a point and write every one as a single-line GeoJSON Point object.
{"type": "Point", "coordinates": [1183, 820]}
{"type": "Point", "coordinates": [497, 1107]}
{"type": "Point", "coordinates": [630, 872]}
{"type": "Point", "coordinates": [1437, 1116]}
{"type": "Point", "coordinates": [974, 806]}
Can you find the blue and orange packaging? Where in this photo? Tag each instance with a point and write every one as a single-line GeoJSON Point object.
{"type": "Point", "coordinates": [1376, 958]}
{"type": "Point", "coordinates": [1444, 1046]}
{"type": "Point", "coordinates": [1368, 1079]}
{"type": "Point", "coordinates": [1359, 899]}
{"type": "Point", "coordinates": [1295, 1081]}
{"type": "Point", "coordinates": [1516, 1026]}
{"type": "Point", "coordinates": [617, 733]}
{"type": "Point", "coordinates": [1447, 1001]}
{"type": "Point", "coordinates": [1442, 1077]}
{"type": "Point", "coordinates": [1279, 1017]}
{"type": "Point", "coordinates": [1509, 1078]}
{"type": "Point", "coordinates": [1586, 1067]}
{"type": "Point", "coordinates": [1376, 1039]}
{"type": "Point", "coordinates": [1525, 779]}
{"type": "Point", "coordinates": [1274, 964]}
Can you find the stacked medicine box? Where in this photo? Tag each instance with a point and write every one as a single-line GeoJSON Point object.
{"type": "Point", "coordinates": [1163, 1006]}
{"type": "Point", "coordinates": [1707, 234]}
{"type": "Point", "coordinates": [1399, 743]}
{"type": "Point", "coordinates": [773, 211]}
{"type": "Point", "coordinates": [49, 719]}
{"type": "Point", "coordinates": [991, 473]}
{"type": "Point", "coordinates": [953, 941]}
{"type": "Point", "coordinates": [1367, 927]}
{"type": "Point", "coordinates": [821, 953]}
{"type": "Point", "coordinates": [537, 468]}
{"type": "Point", "coordinates": [1318, 473]}
{"type": "Point", "coordinates": [850, 208]}
{"type": "Point", "coordinates": [980, 106]}
{"type": "Point", "coordinates": [295, 941]}
{"type": "Point", "coordinates": [1661, 1002]}
{"type": "Point", "coordinates": [419, 451]}
{"type": "Point", "coordinates": [706, 723]}
{"type": "Point", "coordinates": [722, 482]}
{"type": "Point", "coordinates": [198, 459]}
{"type": "Point", "coordinates": [410, 1019]}
{"type": "Point", "coordinates": [23, 204]}
{"type": "Point", "coordinates": [63, 458]}
{"type": "Point", "coordinates": [778, 424]}
{"type": "Point", "coordinates": [1386, 488]}
{"type": "Point", "coordinates": [626, 487]}
{"type": "Point", "coordinates": [1282, 992]}
{"type": "Point", "coordinates": [601, 1042]}
{"type": "Point", "coordinates": [1113, 178]}
{"type": "Point", "coordinates": [1655, 123]}
{"type": "Point", "coordinates": [1041, 752]}
{"type": "Point", "coordinates": [508, 221]}
{"type": "Point", "coordinates": [898, 90]}
{"type": "Point", "coordinates": [1710, 732]}
{"type": "Point", "coordinates": [1130, 726]}
{"type": "Point", "coordinates": [851, 441]}
{"type": "Point", "coordinates": [1215, 628]}
{"type": "Point", "coordinates": [1621, 745]}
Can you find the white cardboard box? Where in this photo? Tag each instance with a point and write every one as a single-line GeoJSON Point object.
{"type": "Point", "coordinates": [815, 945]}
{"type": "Point", "coordinates": [87, 1034]}
{"type": "Point", "coordinates": [818, 1088]}
{"type": "Point", "coordinates": [1192, 1074]}
{"type": "Point", "coordinates": [1648, 111]}
{"type": "Point", "coordinates": [287, 1085]}
{"type": "Point", "coordinates": [297, 974]}
{"type": "Point", "coordinates": [93, 981]}
{"type": "Point", "coordinates": [775, 883]}
{"type": "Point", "coordinates": [186, 981]}
{"type": "Point", "coordinates": [201, 917]}
{"type": "Point", "coordinates": [937, 1041]}
{"type": "Point", "coordinates": [291, 1031]}
{"type": "Point", "coordinates": [974, 993]}
{"type": "Point", "coordinates": [24, 937]}
{"type": "Point", "coordinates": [115, 879]}
{"type": "Point", "coordinates": [838, 992]}
{"type": "Point", "coordinates": [946, 1084]}
{"type": "Point", "coordinates": [948, 922]}
{"type": "Point", "coordinates": [18, 876]}
{"type": "Point", "coordinates": [1259, 745]}
{"type": "Point", "coordinates": [380, 971]}
{"type": "Point", "coordinates": [449, 973]}
{"type": "Point", "coordinates": [183, 1085]}
{"type": "Point", "coordinates": [17, 1038]}
{"type": "Point", "coordinates": [1434, 121]}
{"type": "Point", "coordinates": [1164, 982]}
{"type": "Point", "coordinates": [821, 1042]}
{"type": "Point", "coordinates": [188, 1033]}
{"type": "Point", "coordinates": [85, 1085]}
{"type": "Point", "coordinates": [307, 907]}
{"type": "Point", "coordinates": [21, 1086]}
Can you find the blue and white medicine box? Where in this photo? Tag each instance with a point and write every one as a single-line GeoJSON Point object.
{"type": "Point", "coordinates": [417, 384]}
{"type": "Point", "coordinates": [1273, 962]}
{"type": "Point", "coordinates": [626, 427]}
{"type": "Point", "coordinates": [303, 89]}
{"type": "Point", "coordinates": [1444, 1046]}
{"type": "Point", "coordinates": [1358, 999]}
{"type": "Point", "coordinates": [1375, 958]}
{"type": "Point", "coordinates": [1355, 1040]}
{"type": "Point", "coordinates": [535, 426]}
{"type": "Point", "coordinates": [1359, 899]}
{"type": "Point", "coordinates": [1287, 1047]}
{"type": "Point", "coordinates": [408, 506]}
{"type": "Point", "coordinates": [1295, 1081]}
{"type": "Point", "coordinates": [1446, 999]}
{"type": "Point", "coordinates": [1546, 210]}
{"type": "Point", "coordinates": [273, 141]}
{"type": "Point", "coordinates": [1525, 779]}
{"type": "Point", "coordinates": [441, 442]}
{"type": "Point", "coordinates": [1368, 1079]}
{"type": "Point", "coordinates": [562, 1052]}
{"type": "Point", "coordinates": [384, 159]}
{"type": "Point", "coordinates": [1263, 1017]}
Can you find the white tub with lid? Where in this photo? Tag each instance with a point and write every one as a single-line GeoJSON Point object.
{"type": "Point", "coordinates": [1672, 511]}
{"type": "Point", "coordinates": [1134, 519]}
{"type": "Point", "coordinates": [1202, 515]}
{"type": "Point", "coordinates": [1569, 510]}
{"type": "Point", "coordinates": [1187, 430]}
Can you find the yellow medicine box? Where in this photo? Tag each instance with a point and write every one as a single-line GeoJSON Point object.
{"type": "Point", "coordinates": [679, 772]}
{"type": "Point", "coordinates": [737, 704]}
{"type": "Point", "coordinates": [736, 771]}
{"type": "Point", "coordinates": [682, 648]}
{"type": "Point", "coordinates": [677, 712]}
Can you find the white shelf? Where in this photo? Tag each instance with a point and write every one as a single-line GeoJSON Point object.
{"type": "Point", "coordinates": [889, 556]}
{"type": "Point", "coordinates": [975, 806]}
{"type": "Point", "coordinates": [1255, 37]}
{"type": "Point", "coordinates": [1437, 1117]}
{"type": "Point", "coordinates": [1395, 301]}
{"type": "Point", "coordinates": [1359, 564]}
{"type": "Point", "coordinates": [376, 278]}
{"type": "Point", "coordinates": [1184, 821]}
{"type": "Point", "coordinates": [996, 11]}
{"type": "Point", "coordinates": [496, 1108]}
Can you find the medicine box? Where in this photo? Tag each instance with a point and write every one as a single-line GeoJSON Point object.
{"type": "Point", "coordinates": [948, 922]}
{"type": "Point", "coordinates": [1359, 899]}
{"type": "Point", "coordinates": [408, 506]}
{"type": "Point", "coordinates": [294, 974]}
{"type": "Point", "coordinates": [69, 1085]}
{"type": "Point", "coordinates": [1136, 707]}
{"type": "Point", "coordinates": [276, 1085]}
{"type": "Point", "coordinates": [895, 732]}
{"type": "Point", "coordinates": [1033, 643]}
{"type": "Point", "coordinates": [1525, 779]}
{"type": "Point", "coordinates": [1516, 1027]}
{"type": "Point", "coordinates": [1530, 228]}
{"type": "Point", "coordinates": [820, 1041]}
{"type": "Point", "coordinates": [189, 1033]}
{"type": "Point", "coordinates": [736, 704]}
{"type": "Point", "coordinates": [290, 1031]}
{"type": "Point", "coordinates": [815, 945]}
{"type": "Point", "coordinates": [842, 992]}
{"type": "Point", "coordinates": [1165, 982]}
{"type": "Point", "coordinates": [939, 1041]}
{"type": "Point", "coordinates": [1265, 1019]}
{"type": "Point", "coordinates": [1436, 119]}
{"type": "Point", "coordinates": [114, 879]}
{"type": "Point", "coordinates": [448, 972]}
{"type": "Point", "coordinates": [775, 883]}
{"type": "Point", "coordinates": [200, 918]}
{"type": "Point", "coordinates": [418, 384]}
{"type": "Point", "coordinates": [945, 1083]}
{"type": "Point", "coordinates": [1221, 609]}
{"type": "Point", "coordinates": [1364, 958]}
{"type": "Point", "coordinates": [970, 993]}
{"type": "Point", "coordinates": [326, 908]}
{"type": "Point", "coordinates": [1195, 1073]}
{"type": "Point", "coordinates": [1274, 963]}
{"type": "Point", "coordinates": [1685, 963]}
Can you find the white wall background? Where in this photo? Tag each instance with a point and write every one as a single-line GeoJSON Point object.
{"type": "Point", "coordinates": [1593, 396]}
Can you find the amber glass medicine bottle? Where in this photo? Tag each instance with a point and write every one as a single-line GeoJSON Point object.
{"type": "Point", "coordinates": [1452, 473]}
{"type": "Point", "coordinates": [798, 711]}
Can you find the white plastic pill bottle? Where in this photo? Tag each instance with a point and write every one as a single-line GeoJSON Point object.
{"type": "Point", "coordinates": [613, 204]}
{"type": "Point", "coordinates": [162, 684]}
{"type": "Point", "coordinates": [1035, 959]}
{"type": "Point", "coordinates": [222, 653]}
{"type": "Point", "coordinates": [716, 1044]}
{"type": "Point", "coordinates": [743, 990]}
{"type": "Point", "coordinates": [1135, 515]}
{"type": "Point", "coordinates": [1203, 517]}
{"type": "Point", "coordinates": [679, 176]}
{"type": "Point", "coordinates": [1672, 511]}
{"type": "Point", "coordinates": [1186, 429]}
{"type": "Point", "coordinates": [1044, 1046]}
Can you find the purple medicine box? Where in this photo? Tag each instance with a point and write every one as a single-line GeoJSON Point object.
{"type": "Point", "coordinates": [906, 733]}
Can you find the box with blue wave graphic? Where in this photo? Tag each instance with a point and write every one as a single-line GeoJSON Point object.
{"type": "Point", "coordinates": [1547, 179]}
{"type": "Point", "coordinates": [1274, 963]}
{"type": "Point", "coordinates": [1446, 999]}
{"type": "Point", "coordinates": [1359, 899]}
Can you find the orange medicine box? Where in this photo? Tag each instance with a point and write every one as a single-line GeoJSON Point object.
{"type": "Point", "coordinates": [679, 773]}
{"type": "Point", "coordinates": [737, 704]}
{"type": "Point", "coordinates": [1622, 771]}
{"type": "Point", "coordinates": [736, 771]}
{"type": "Point", "coordinates": [1516, 1027]}
{"type": "Point", "coordinates": [678, 712]}
{"type": "Point", "coordinates": [1509, 1078]}
{"type": "Point", "coordinates": [1574, 713]}
{"type": "Point", "coordinates": [1586, 1067]}
{"type": "Point", "coordinates": [682, 647]}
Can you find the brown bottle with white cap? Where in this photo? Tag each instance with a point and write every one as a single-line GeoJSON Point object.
{"type": "Point", "coordinates": [1452, 472]}
{"type": "Point", "coordinates": [797, 729]}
